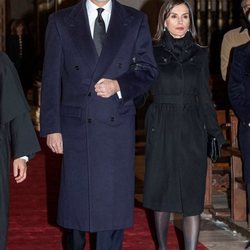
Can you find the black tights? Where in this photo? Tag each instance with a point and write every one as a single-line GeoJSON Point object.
{"type": "Point", "coordinates": [248, 204]}
{"type": "Point", "coordinates": [191, 228]}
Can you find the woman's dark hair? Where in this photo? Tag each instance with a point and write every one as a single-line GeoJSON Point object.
{"type": "Point", "coordinates": [15, 24]}
{"type": "Point", "coordinates": [164, 13]}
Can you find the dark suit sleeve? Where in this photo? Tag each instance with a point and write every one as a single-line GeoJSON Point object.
{"type": "Point", "coordinates": [23, 137]}
{"type": "Point", "coordinates": [143, 70]}
{"type": "Point", "coordinates": [14, 111]}
{"type": "Point", "coordinates": [51, 82]}
{"type": "Point", "coordinates": [238, 91]}
{"type": "Point", "coordinates": [12, 99]}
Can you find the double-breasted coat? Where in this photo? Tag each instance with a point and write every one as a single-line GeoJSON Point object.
{"type": "Point", "coordinates": [176, 125]}
{"type": "Point", "coordinates": [239, 96]}
{"type": "Point", "coordinates": [17, 135]}
{"type": "Point", "coordinates": [97, 182]}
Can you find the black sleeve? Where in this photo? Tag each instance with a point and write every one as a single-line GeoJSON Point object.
{"type": "Point", "coordinates": [238, 85]}
{"type": "Point", "coordinates": [23, 137]}
{"type": "Point", "coordinates": [206, 103]}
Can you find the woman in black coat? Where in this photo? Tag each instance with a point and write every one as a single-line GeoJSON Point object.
{"type": "Point", "coordinates": [177, 124]}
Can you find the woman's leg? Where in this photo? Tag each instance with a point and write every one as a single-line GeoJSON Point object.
{"type": "Point", "coordinates": [191, 229]}
{"type": "Point", "coordinates": [161, 225]}
{"type": "Point", "coordinates": [248, 205]}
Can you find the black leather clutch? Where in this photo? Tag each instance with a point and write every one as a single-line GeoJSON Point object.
{"type": "Point", "coordinates": [213, 149]}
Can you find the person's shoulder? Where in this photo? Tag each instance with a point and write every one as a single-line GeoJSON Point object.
{"type": "Point", "coordinates": [158, 49]}
{"type": "Point", "coordinates": [4, 59]}
{"type": "Point", "coordinates": [4, 64]}
{"type": "Point", "coordinates": [200, 52]}
{"type": "Point", "coordinates": [242, 49]}
{"type": "Point", "coordinates": [202, 49]}
{"type": "Point", "coordinates": [3, 55]}
{"type": "Point", "coordinates": [244, 46]}
{"type": "Point", "coordinates": [233, 32]}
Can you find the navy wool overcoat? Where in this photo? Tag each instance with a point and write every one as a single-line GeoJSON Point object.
{"type": "Point", "coordinates": [97, 182]}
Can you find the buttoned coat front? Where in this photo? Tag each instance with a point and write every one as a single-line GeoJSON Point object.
{"type": "Point", "coordinates": [97, 183]}
{"type": "Point", "coordinates": [239, 96]}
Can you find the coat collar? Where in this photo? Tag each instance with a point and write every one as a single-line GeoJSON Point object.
{"type": "Point", "coordinates": [167, 43]}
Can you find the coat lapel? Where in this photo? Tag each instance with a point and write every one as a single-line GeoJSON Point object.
{"type": "Point", "coordinates": [80, 32]}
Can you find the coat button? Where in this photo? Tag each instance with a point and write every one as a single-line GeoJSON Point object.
{"type": "Point", "coordinates": [112, 119]}
{"type": "Point", "coordinates": [89, 120]}
{"type": "Point", "coordinates": [246, 124]}
{"type": "Point", "coordinates": [89, 94]}
{"type": "Point", "coordinates": [77, 67]}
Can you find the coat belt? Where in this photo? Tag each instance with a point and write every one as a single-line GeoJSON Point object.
{"type": "Point", "coordinates": [176, 99]}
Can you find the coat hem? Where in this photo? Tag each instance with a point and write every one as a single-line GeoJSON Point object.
{"type": "Point", "coordinates": [87, 229]}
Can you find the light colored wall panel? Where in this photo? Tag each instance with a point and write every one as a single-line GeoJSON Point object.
{"type": "Point", "coordinates": [150, 7]}
{"type": "Point", "coordinates": [134, 3]}
{"type": "Point", "coordinates": [18, 8]}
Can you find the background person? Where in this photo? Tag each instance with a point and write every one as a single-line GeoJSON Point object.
{"type": "Point", "coordinates": [239, 96]}
{"type": "Point", "coordinates": [17, 137]}
{"type": "Point", "coordinates": [234, 38]}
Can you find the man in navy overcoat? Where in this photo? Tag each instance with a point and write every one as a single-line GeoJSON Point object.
{"type": "Point", "coordinates": [88, 114]}
{"type": "Point", "coordinates": [239, 95]}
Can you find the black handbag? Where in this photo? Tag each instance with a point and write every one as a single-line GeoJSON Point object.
{"type": "Point", "coordinates": [213, 149]}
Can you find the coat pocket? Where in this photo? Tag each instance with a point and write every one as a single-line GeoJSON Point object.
{"type": "Point", "coordinates": [71, 111]}
{"type": "Point", "coordinates": [71, 121]}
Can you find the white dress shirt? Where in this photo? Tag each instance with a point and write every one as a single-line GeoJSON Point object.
{"type": "Point", "coordinates": [92, 14]}
{"type": "Point", "coordinates": [26, 158]}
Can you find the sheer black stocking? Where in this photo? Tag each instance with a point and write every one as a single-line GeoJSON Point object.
{"type": "Point", "coordinates": [161, 225]}
{"type": "Point", "coordinates": [191, 228]}
{"type": "Point", "coordinates": [248, 205]}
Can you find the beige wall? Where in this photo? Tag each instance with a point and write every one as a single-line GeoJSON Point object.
{"type": "Point", "coordinates": [134, 3]}
{"type": "Point", "coordinates": [150, 7]}
{"type": "Point", "coordinates": [19, 8]}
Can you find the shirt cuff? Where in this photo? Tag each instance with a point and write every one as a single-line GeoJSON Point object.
{"type": "Point", "coordinates": [119, 94]}
{"type": "Point", "coordinates": [26, 158]}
